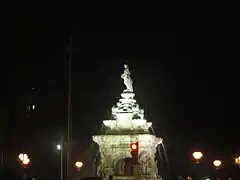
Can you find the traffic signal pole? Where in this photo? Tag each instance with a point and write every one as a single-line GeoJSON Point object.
{"type": "Point", "coordinates": [136, 171]}
{"type": "Point", "coordinates": [134, 153]}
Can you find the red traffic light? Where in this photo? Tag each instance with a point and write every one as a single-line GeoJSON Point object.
{"type": "Point", "coordinates": [134, 146]}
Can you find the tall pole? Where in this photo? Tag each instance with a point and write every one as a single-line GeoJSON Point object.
{"type": "Point", "coordinates": [69, 108]}
{"type": "Point", "coordinates": [2, 157]}
{"type": "Point", "coordinates": [61, 157]}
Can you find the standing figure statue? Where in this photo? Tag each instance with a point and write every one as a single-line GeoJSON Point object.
{"type": "Point", "coordinates": [127, 79]}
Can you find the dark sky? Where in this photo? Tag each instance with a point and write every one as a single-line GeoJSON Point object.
{"type": "Point", "coordinates": [184, 70]}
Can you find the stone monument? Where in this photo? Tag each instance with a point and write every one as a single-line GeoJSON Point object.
{"type": "Point", "coordinates": [127, 125]}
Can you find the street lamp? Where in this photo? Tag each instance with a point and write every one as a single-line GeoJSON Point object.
{"type": "Point", "coordinates": [24, 159]}
{"type": "Point", "coordinates": [60, 148]}
{"type": "Point", "coordinates": [78, 165]}
{"type": "Point", "coordinates": [22, 156]}
{"type": "Point", "coordinates": [237, 161]}
{"type": "Point", "coordinates": [197, 156]}
{"type": "Point", "coordinates": [217, 163]}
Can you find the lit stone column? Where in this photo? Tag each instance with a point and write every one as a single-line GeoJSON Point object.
{"type": "Point", "coordinates": [147, 149]}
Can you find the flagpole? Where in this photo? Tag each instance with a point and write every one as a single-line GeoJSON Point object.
{"type": "Point", "coordinates": [69, 133]}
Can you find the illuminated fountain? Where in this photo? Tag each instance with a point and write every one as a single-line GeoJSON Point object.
{"type": "Point", "coordinates": [127, 126]}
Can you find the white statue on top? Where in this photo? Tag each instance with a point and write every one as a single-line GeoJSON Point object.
{"type": "Point", "coordinates": [127, 79]}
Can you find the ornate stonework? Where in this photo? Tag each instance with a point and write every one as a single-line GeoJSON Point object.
{"type": "Point", "coordinates": [115, 148]}
{"type": "Point", "coordinates": [127, 126]}
{"type": "Point", "coordinates": [127, 115]}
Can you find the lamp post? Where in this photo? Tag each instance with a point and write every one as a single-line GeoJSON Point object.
{"type": "Point", "coordinates": [197, 169]}
{"type": "Point", "coordinates": [60, 148]}
{"type": "Point", "coordinates": [197, 156]}
{"type": "Point", "coordinates": [217, 164]}
{"type": "Point", "coordinates": [24, 159]}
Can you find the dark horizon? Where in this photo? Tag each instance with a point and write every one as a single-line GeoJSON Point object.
{"type": "Point", "coordinates": [184, 71]}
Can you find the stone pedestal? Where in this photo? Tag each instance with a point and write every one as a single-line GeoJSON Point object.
{"type": "Point", "coordinates": [115, 150]}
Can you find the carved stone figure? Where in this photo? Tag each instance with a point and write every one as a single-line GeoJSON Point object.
{"type": "Point", "coordinates": [127, 79]}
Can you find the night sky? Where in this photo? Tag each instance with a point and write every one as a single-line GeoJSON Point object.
{"type": "Point", "coordinates": [184, 70]}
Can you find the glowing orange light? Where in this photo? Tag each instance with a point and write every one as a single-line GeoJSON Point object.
{"type": "Point", "coordinates": [217, 163]}
{"type": "Point", "coordinates": [197, 155]}
{"type": "Point", "coordinates": [78, 164]}
{"type": "Point", "coordinates": [237, 161]}
{"type": "Point", "coordinates": [22, 156]}
{"type": "Point", "coordinates": [133, 146]}
{"type": "Point", "coordinates": [24, 159]}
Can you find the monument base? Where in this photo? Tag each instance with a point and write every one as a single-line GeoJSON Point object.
{"type": "Point", "coordinates": [116, 155]}
{"type": "Point", "coordinates": [133, 178]}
